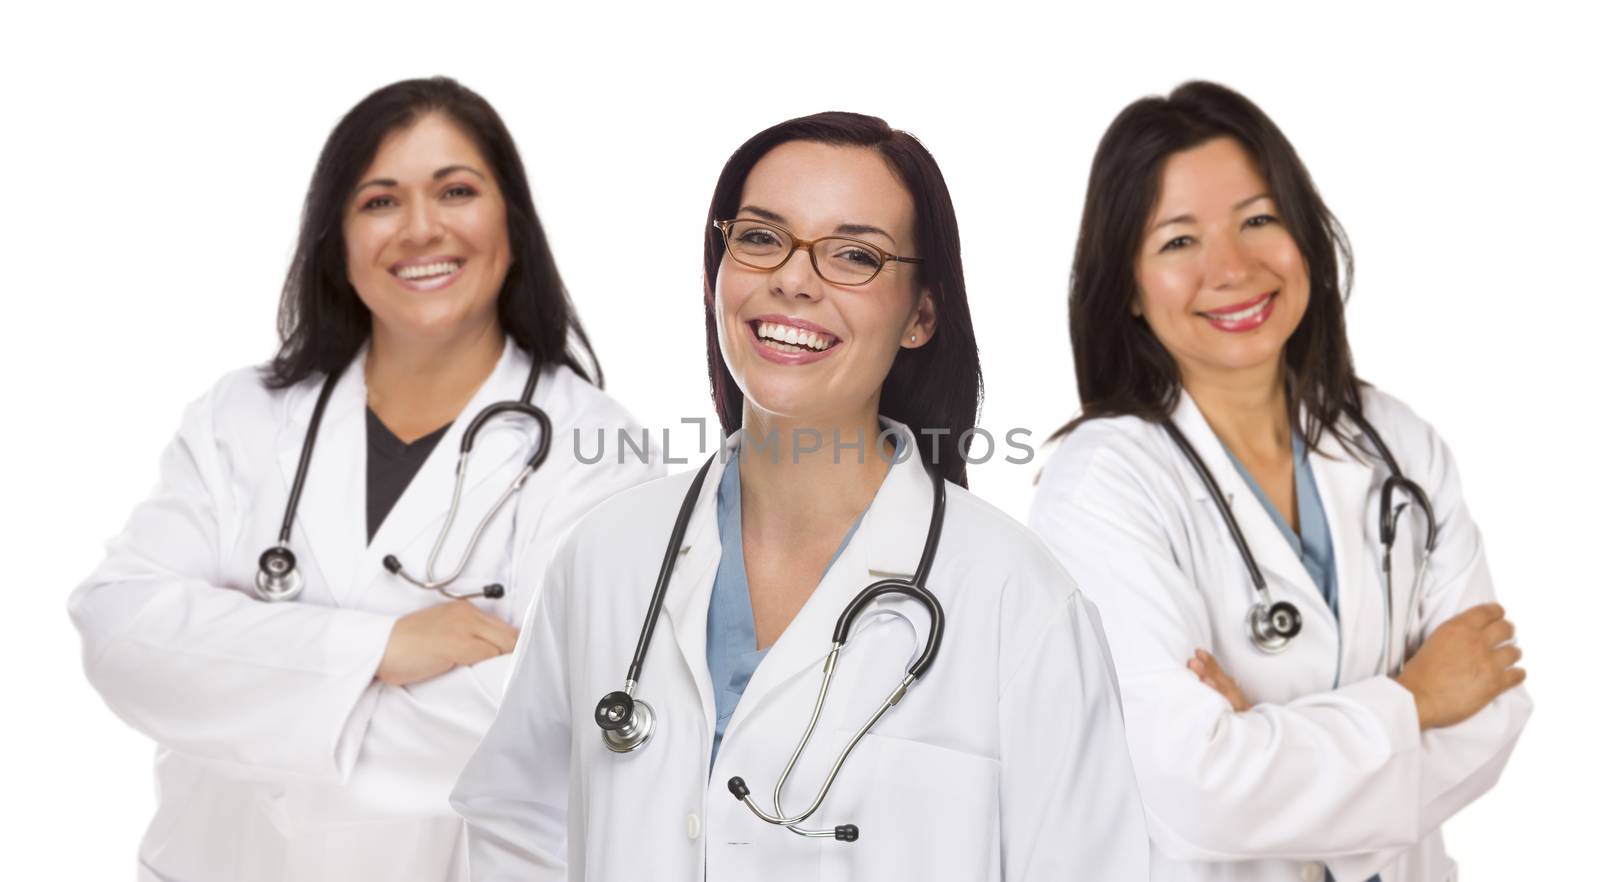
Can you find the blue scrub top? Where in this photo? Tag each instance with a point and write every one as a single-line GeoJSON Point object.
{"type": "Point", "coordinates": [731, 651]}
{"type": "Point", "coordinates": [1313, 545]}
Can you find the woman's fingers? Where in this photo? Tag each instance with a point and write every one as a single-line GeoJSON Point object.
{"type": "Point", "coordinates": [1506, 656]}
{"type": "Point", "coordinates": [1205, 666]}
{"type": "Point", "coordinates": [498, 632]}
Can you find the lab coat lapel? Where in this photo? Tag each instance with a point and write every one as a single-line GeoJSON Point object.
{"type": "Point", "coordinates": [1345, 484]}
{"type": "Point", "coordinates": [1286, 576]}
{"type": "Point", "coordinates": [413, 525]}
{"type": "Point", "coordinates": [688, 597]}
{"type": "Point", "coordinates": [330, 523]}
{"type": "Point", "coordinates": [888, 543]}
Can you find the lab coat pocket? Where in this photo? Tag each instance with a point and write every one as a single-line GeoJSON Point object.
{"type": "Point", "coordinates": [924, 812]}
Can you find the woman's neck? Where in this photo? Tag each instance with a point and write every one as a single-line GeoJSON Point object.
{"type": "Point", "coordinates": [416, 386]}
{"type": "Point", "coordinates": [1248, 411]}
{"type": "Point", "coordinates": [796, 476]}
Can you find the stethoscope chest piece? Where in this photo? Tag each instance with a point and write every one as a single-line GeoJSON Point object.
{"type": "Point", "coordinates": [626, 723]}
{"type": "Point", "coordinates": [1273, 625]}
{"type": "Point", "coordinates": [277, 577]}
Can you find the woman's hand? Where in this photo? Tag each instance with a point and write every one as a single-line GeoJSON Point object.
{"type": "Point", "coordinates": [1462, 666]}
{"type": "Point", "coordinates": [430, 642]}
{"type": "Point", "coordinates": [1210, 673]}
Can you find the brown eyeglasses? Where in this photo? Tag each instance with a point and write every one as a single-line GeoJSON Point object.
{"type": "Point", "coordinates": [840, 260]}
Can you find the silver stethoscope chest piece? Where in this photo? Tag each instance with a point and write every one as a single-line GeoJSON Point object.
{"type": "Point", "coordinates": [277, 577]}
{"type": "Point", "coordinates": [1272, 625]}
{"type": "Point", "coordinates": [625, 723]}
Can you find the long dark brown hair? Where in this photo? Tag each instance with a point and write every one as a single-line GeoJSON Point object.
{"type": "Point", "coordinates": [936, 386]}
{"type": "Point", "coordinates": [321, 320]}
{"type": "Point", "coordinates": [1122, 368]}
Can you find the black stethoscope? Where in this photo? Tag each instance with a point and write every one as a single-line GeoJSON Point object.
{"type": "Point", "coordinates": [278, 578]}
{"type": "Point", "coordinates": [626, 723]}
{"type": "Point", "coordinates": [1271, 625]}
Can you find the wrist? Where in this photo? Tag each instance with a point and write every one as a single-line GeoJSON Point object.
{"type": "Point", "coordinates": [1425, 719]}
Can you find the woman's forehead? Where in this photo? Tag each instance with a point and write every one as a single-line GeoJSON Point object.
{"type": "Point", "coordinates": [818, 187]}
{"type": "Point", "coordinates": [1217, 173]}
{"type": "Point", "coordinates": [431, 143]}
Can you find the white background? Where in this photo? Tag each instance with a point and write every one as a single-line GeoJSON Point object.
{"type": "Point", "coordinates": [154, 161]}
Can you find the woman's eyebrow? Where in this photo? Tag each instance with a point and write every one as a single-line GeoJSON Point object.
{"type": "Point", "coordinates": [840, 230]}
{"type": "Point", "coordinates": [861, 229]}
{"type": "Point", "coordinates": [1243, 202]}
{"type": "Point", "coordinates": [1189, 218]}
{"type": "Point", "coordinates": [445, 172]}
{"type": "Point", "coordinates": [762, 213]}
{"type": "Point", "coordinates": [376, 182]}
{"type": "Point", "coordinates": [449, 170]}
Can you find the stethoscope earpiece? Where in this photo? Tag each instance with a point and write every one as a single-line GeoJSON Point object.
{"type": "Point", "coordinates": [429, 580]}
{"type": "Point", "coordinates": [277, 577]}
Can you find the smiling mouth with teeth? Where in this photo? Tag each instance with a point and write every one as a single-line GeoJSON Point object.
{"type": "Point", "coordinates": [1245, 314]}
{"type": "Point", "coordinates": [788, 338]}
{"type": "Point", "coordinates": [427, 270]}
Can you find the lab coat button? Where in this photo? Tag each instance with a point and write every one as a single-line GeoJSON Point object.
{"type": "Point", "coordinates": [1312, 872]}
{"type": "Point", "coordinates": [691, 826]}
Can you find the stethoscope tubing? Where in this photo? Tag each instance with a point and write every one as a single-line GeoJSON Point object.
{"type": "Point", "coordinates": [279, 578]}
{"type": "Point", "coordinates": [669, 563]}
{"type": "Point", "coordinates": [1388, 521]}
{"type": "Point", "coordinates": [917, 591]}
{"type": "Point", "coordinates": [541, 450]}
{"type": "Point", "coordinates": [1215, 492]}
{"type": "Point", "coordinates": [306, 447]}
{"type": "Point", "coordinates": [627, 723]}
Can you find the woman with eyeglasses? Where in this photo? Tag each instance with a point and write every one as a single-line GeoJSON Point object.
{"type": "Point", "coordinates": [1315, 672]}
{"type": "Point", "coordinates": [967, 727]}
{"type": "Point", "coordinates": [312, 614]}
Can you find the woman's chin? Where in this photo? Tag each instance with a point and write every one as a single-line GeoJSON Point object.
{"type": "Point", "coordinates": [433, 325]}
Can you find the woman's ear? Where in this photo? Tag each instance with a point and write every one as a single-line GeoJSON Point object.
{"type": "Point", "coordinates": [924, 320]}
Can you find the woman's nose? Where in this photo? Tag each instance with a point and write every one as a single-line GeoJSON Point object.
{"type": "Point", "coordinates": [1227, 263]}
{"type": "Point", "coordinates": [797, 277]}
{"type": "Point", "coordinates": [422, 224]}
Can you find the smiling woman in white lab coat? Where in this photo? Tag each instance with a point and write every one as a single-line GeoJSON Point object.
{"type": "Point", "coordinates": [317, 737]}
{"type": "Point", "coordinates": [1206, 293]}
{"type": "Point", "coordinates": [835, 313]}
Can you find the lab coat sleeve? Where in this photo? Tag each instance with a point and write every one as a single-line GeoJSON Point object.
{"type": "Point", "coordinates": [1333, 773]}
{"type": "Point", "coordinates": [1070, 802]}
{"type": "Point", "coordinates": [1462, 762]}
{"type": "Point", "coordinates": [206, 669]}
{"type": "Point", "coordinates": [513, 792]}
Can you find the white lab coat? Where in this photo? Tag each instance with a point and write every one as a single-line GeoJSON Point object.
{"type": "Point", "coordinates": [1006, 762]}
{"type": "Point", "coordinates": [1328, 767]}
{"type": "Point", "coordinates": [279, 756]}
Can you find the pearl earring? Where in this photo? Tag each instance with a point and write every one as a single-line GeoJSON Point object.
{"type": "Point", "coordinates": [913, 338]}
